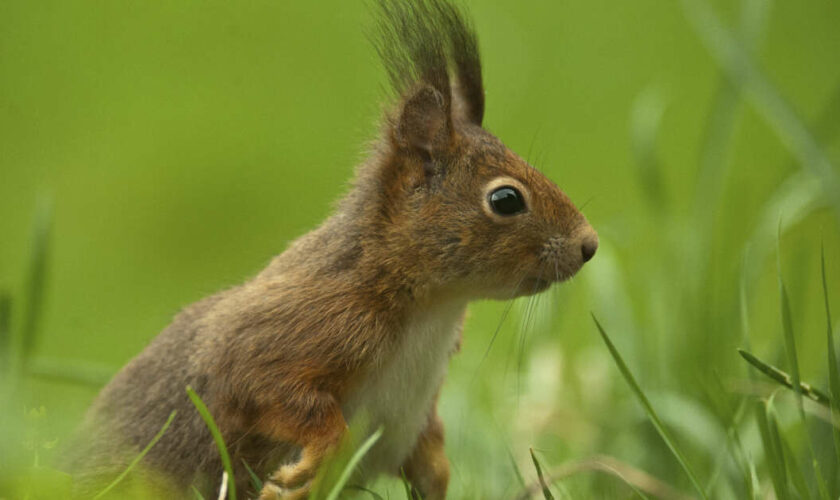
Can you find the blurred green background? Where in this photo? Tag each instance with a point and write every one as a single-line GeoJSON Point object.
{"type": "Point", "coordinates": [183, 144]}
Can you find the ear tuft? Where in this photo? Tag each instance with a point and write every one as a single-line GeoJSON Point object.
{"type": "Point", "coordinates": [424, 123]}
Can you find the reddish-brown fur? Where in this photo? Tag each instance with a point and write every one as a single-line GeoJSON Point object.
{"type": "Point", "coordinates": [280, 358]}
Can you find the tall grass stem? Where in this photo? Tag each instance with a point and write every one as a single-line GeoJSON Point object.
{"type": "Point", "coordinates": [651, 413]}
{"type": "Point", "coordinates": [217, 437]}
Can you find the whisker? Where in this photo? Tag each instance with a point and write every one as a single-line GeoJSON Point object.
{"type": "Point", "coordinates": [519, 347]}
{"type": "Point", "coordinates": [540, 157]}
{"type": "Point", "coordinates": [586, 202]}
{"type": "Point", "coordinates": [505, 313]}
{"type": "Point", "coordinates": [531, 145]}
{"type": "Point", "coordinates": [529, 310]}
{"type": "Point", "coordinates": [520, 361]}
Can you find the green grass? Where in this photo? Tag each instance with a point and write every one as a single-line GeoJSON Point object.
{"type": "Point", "coordinates": [833, 367]}
{"type": "Point", "coordinates": [786, 380]}
{"type": "Point", "coordinates": [651, 413]}
{"type": "Point", "coordinates": [543, 484]}
{"type": "Point", "coordinates": [348, 469]}
{"type": "Point", "coordinates": [256, 481]}
{"type": "Point", "coordinates": [138, 458]}
{"type": "Point", "coordinates": [217, 438]}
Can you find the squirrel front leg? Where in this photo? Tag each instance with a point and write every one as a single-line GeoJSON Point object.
{"type": "Point", "coordinates": [317, 425]}
{"type": "Point", "coordinates": [427, 468]}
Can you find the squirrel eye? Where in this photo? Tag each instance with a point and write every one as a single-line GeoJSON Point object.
{"type": "Point", "coordinates": [507, 200]}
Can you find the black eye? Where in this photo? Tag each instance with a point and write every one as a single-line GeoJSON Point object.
{"type": "Point", "coordinates": [507, 200]}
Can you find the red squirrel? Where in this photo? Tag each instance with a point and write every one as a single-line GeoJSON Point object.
{"type": "Point", "coordinates": [362, 314]}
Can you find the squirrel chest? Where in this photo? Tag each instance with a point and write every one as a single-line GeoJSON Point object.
{"type": "Point", "coordinates": [398, 393]}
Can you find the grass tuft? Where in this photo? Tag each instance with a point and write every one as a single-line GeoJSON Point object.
{"type": "Point", "coordinates": [545, 489]}
{"type": "Point", "coordinates": [794, 468]}
{"type": "Point", "coordinates": [352, 463]}
{"type": "Point", "coordinates": [373, 494]}
{"type": "Point", "coordinates": [197, 494]}
{"type": "Point", "coordinates": [833, 368]}
{"type": "Point", "coordinates": [787, 327]}
{"type": "Point", "coordinates": [790, 344]}
{"type": "Point", "coordinates": [139, 457]}
{"type": "Point", "coordinates": [773, 453]}
{"type": "Point", "coordinates": [651, 413]}
{"type": "Point", "coordinates": [217, 437]}
{"type": "Point", "coordinates": [409, 493]}
{"type": "Point", "coordinates": [516, 472]}
{"type": "Point", "coordinates": [5, 331]}
{"type": "Point", "coordinates": [36, 282]}
{"type": "Point", "coordinates": [256, 482]}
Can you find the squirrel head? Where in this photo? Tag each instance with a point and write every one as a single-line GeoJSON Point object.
{"type": "Point", "coordinates": [452, 206]}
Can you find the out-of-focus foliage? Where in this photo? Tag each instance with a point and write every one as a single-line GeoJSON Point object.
{"type": "Point", "coordinates": [164, 150]}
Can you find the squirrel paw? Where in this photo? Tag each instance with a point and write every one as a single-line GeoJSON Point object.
{"type": "Point", "coordinates": [293, 475]}
{"type": "Point", "coordinates": [272, 491]}
{"type": "Point", "coordinates": [290, 482]}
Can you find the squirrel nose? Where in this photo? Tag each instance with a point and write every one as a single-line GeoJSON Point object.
{"type": "Point", "coordinates": [589, 245]}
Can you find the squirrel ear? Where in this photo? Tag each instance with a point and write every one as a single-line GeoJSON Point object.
{"type": "Point", "coordinates": [424, 122]}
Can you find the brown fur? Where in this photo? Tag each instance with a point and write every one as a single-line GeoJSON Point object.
{"type": "Point", "coordinates": [428, 468]}
{"type": "Point", "coordinates": [277, 358]}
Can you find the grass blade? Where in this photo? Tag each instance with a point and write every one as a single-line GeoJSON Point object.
{"type": "Point", "coordinates": [519, 478]}
{"type": "Point", "coordinates": [718, 131]}
{"type": "Point", "coordinates": [139, 457]}
{"type": "Point", "coordinates": [651, 413]}
{"type": "Point", "coordinates": [772, 450]}
{"type": "Point", "coordinates": [784, 379]}
{"type": "Point", "coordinates": [790, 345]}
{"type": "Point", "coordinates": [5, 331]}
{"type": "Point", "coordinates": [787, 327]}
{"type": "Point", "coordinates": [546, 491]}
{"type": "Point", "coordinates": [90, 374]}
{"type": "Point", "coordinates": [354, 461]}
{"type": "Point", "coordinates": [36, 281]}
{"type": "Point", "coordinates": [409, 494]}
{"type": "Point", "coordinates": [755, 485]}
{"type": "Point", "coordinates": [734, 448]}
{"type": "Point", "coordinates": [224, 487]}
{"type": "Point", "coordinates": [255, 479]}
{"type": "Point", "coordinates": [833, 368]}
{"type": "Point", "coordinates": [793, 467]}
{"type": "Point", "coordinates": [217, 437]}
{"type": "Point", "coordinates": [645, 122]}
{"type": "Point", "coordinates": [373, 494]}
{"type": "Point", "coordinates": [642, 483]}
{"type": "Point", "coordinates": [743, 305]}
